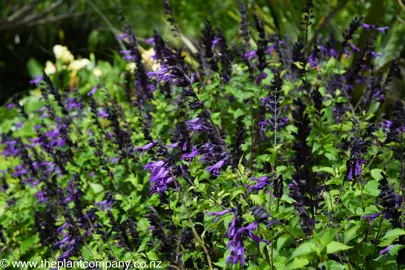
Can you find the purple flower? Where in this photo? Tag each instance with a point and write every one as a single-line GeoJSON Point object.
{"type": "Point", "coordinates": [382, 29]}
{"type": "Point", "coordinates": [367, 26]}
{"type": "Point", "coordinates": [121, 37]}
{"type": "Point", "coordinates": [386, 125]}
{"type": "Point", "coordinates": [93, 91]}
{"type": "Point", "coordinates": [372, 217]}
{"type": "Point", "coordinates": [41, 196]}
{"type": "Point", "coordinates": [312, 60]}
{"type": "Point", "coordinates": [358, 167]}
{"type": "Point", "coordinates": [214, 169]}
{"type": "Point", "coordinates": [19, 125]}
{"type": "Point", "coordinates": [215, 41]}
{"type": "Point", "coordinates": [126, 55]}
{"type": "Point", "coordinates": [375, 55]}
{"type": "Point", "coordinates": [104, 205]}
{"type": "Point", "coordinates": [249, 55]}
{"type": "Point", "coordinates": [332, 53]}
{"type": "Point", "coordinates": [270, 49]}
{"type": "Point", "coordinates": [144, 148]}
{"type": "Point", "coordinates": [62, 242]}
{"type": "Point", "coordinates": [261, 77]}
{"type": "Point", "coordinates": [36, 80]}
{"type": "Point", "coordinates": [220, 214]}
{"type": "Point", "coordinates": [196, 124]}
{"type": "Point", "coordinates": [172, 145]}
{"type": "Point", "coordinates": [236, 243]}
{"type": "Point", "coordinates": [114, 160]}
{"type": "Point", "coordinates": [194, 77]}
{"type": "Point", "coordinates": [160, 177]}
{"type": "Point", "coordinates": [347, 53]}
{"type": "Point", "coordinates": [261, 183]}
{"type": "Point", "coordinates": [60, 142]}
{"type": "Point", "coordinates": [150, 41]}
{"type": "Point", "coordinates": [354, 168]}
{"type": "Point", "coordinates": [354, 48]}
{"type": "Point", "coordinates": [386, 250]}
{"type": "Point", "coordinates": [162, 74]}
{"type": "Point", "coordinates": [103, 113]}
{"type": "Point", "coordinates": [190, 155]}
{"type": "Point", "coordinates": [53, 134]}
{"type": "Point", "coordinates": [10, 106]}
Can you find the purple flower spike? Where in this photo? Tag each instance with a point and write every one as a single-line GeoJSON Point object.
{"type": "Point", "coordinates": [10, 106]}
{"type": "Point", "coordinates": [93, 91]}
{"type": "Point", "coordinates": [382, 29]}
{"type": "Point", "coordinates": [386, 250]}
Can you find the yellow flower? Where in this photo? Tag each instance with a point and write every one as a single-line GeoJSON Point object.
{"type": "Point", "coordinates": [62, 53]}
{"type": "Point", "coordinates": [97, 72]}
{"type": "Point", "coordinates": [50, 68]}
{"type": "Point", "coordinates": [76, 65]}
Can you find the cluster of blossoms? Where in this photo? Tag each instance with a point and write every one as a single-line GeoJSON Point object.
{"type": "Point", "coordinates": [236, 234]}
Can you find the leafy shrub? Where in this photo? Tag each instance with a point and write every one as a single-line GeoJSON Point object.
{"type": "Point", "coordinates": [249, 156]}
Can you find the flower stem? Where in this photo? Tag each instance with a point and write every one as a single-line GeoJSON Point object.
{"type": "Point", "coordinates": [196, 236]}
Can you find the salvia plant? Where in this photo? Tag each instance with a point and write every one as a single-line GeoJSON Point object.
{"type": "Point", "coordinates": [246, 155]}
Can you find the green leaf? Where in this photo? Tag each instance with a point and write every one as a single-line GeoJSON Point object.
{"type": "Point", "coordinates": [330, 156]}
{"type": "Point", "coordinates": [34, 67]}
{"type": "Point", "coordinates": [298, 263]}
{"type": "Point", "coordinates": [351, 233]}
{"type": "Point", "coordinates": [97, 188]}
{"type": "Point", "coordinates": [328, 236]}
{"type": "Point", "coordinates": [335, 247]}
{"type": "Point", "coordinates": [257, 199]}
{"type": "Point", "coordinates": [299, 65]}
{"type": "Point", "coordinates": [282, 240]}
{"type": "Point", "coordinates": [28, 243]}
{"type": "Point", "coordinates": [304, 249]}
{"type": "Point", "coordinates": [325, 169]}
{"type": "Point", "coordinates": [372, 188]}
{"type": "Point", "coordinates": [376, 174]}
{"type": "Point", "coordinates": [391, 236]}
{"type": "Point", "coordinates": [221, 263]}
{"type": "Point", "coordinates": [152, 256]}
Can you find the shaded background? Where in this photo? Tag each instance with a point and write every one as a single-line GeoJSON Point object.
{"type": "Point", "coordinates": [29, 29]}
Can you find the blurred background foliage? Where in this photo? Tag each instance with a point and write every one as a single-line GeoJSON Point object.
{"type": "Point", "coordinates": [30, 28]}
